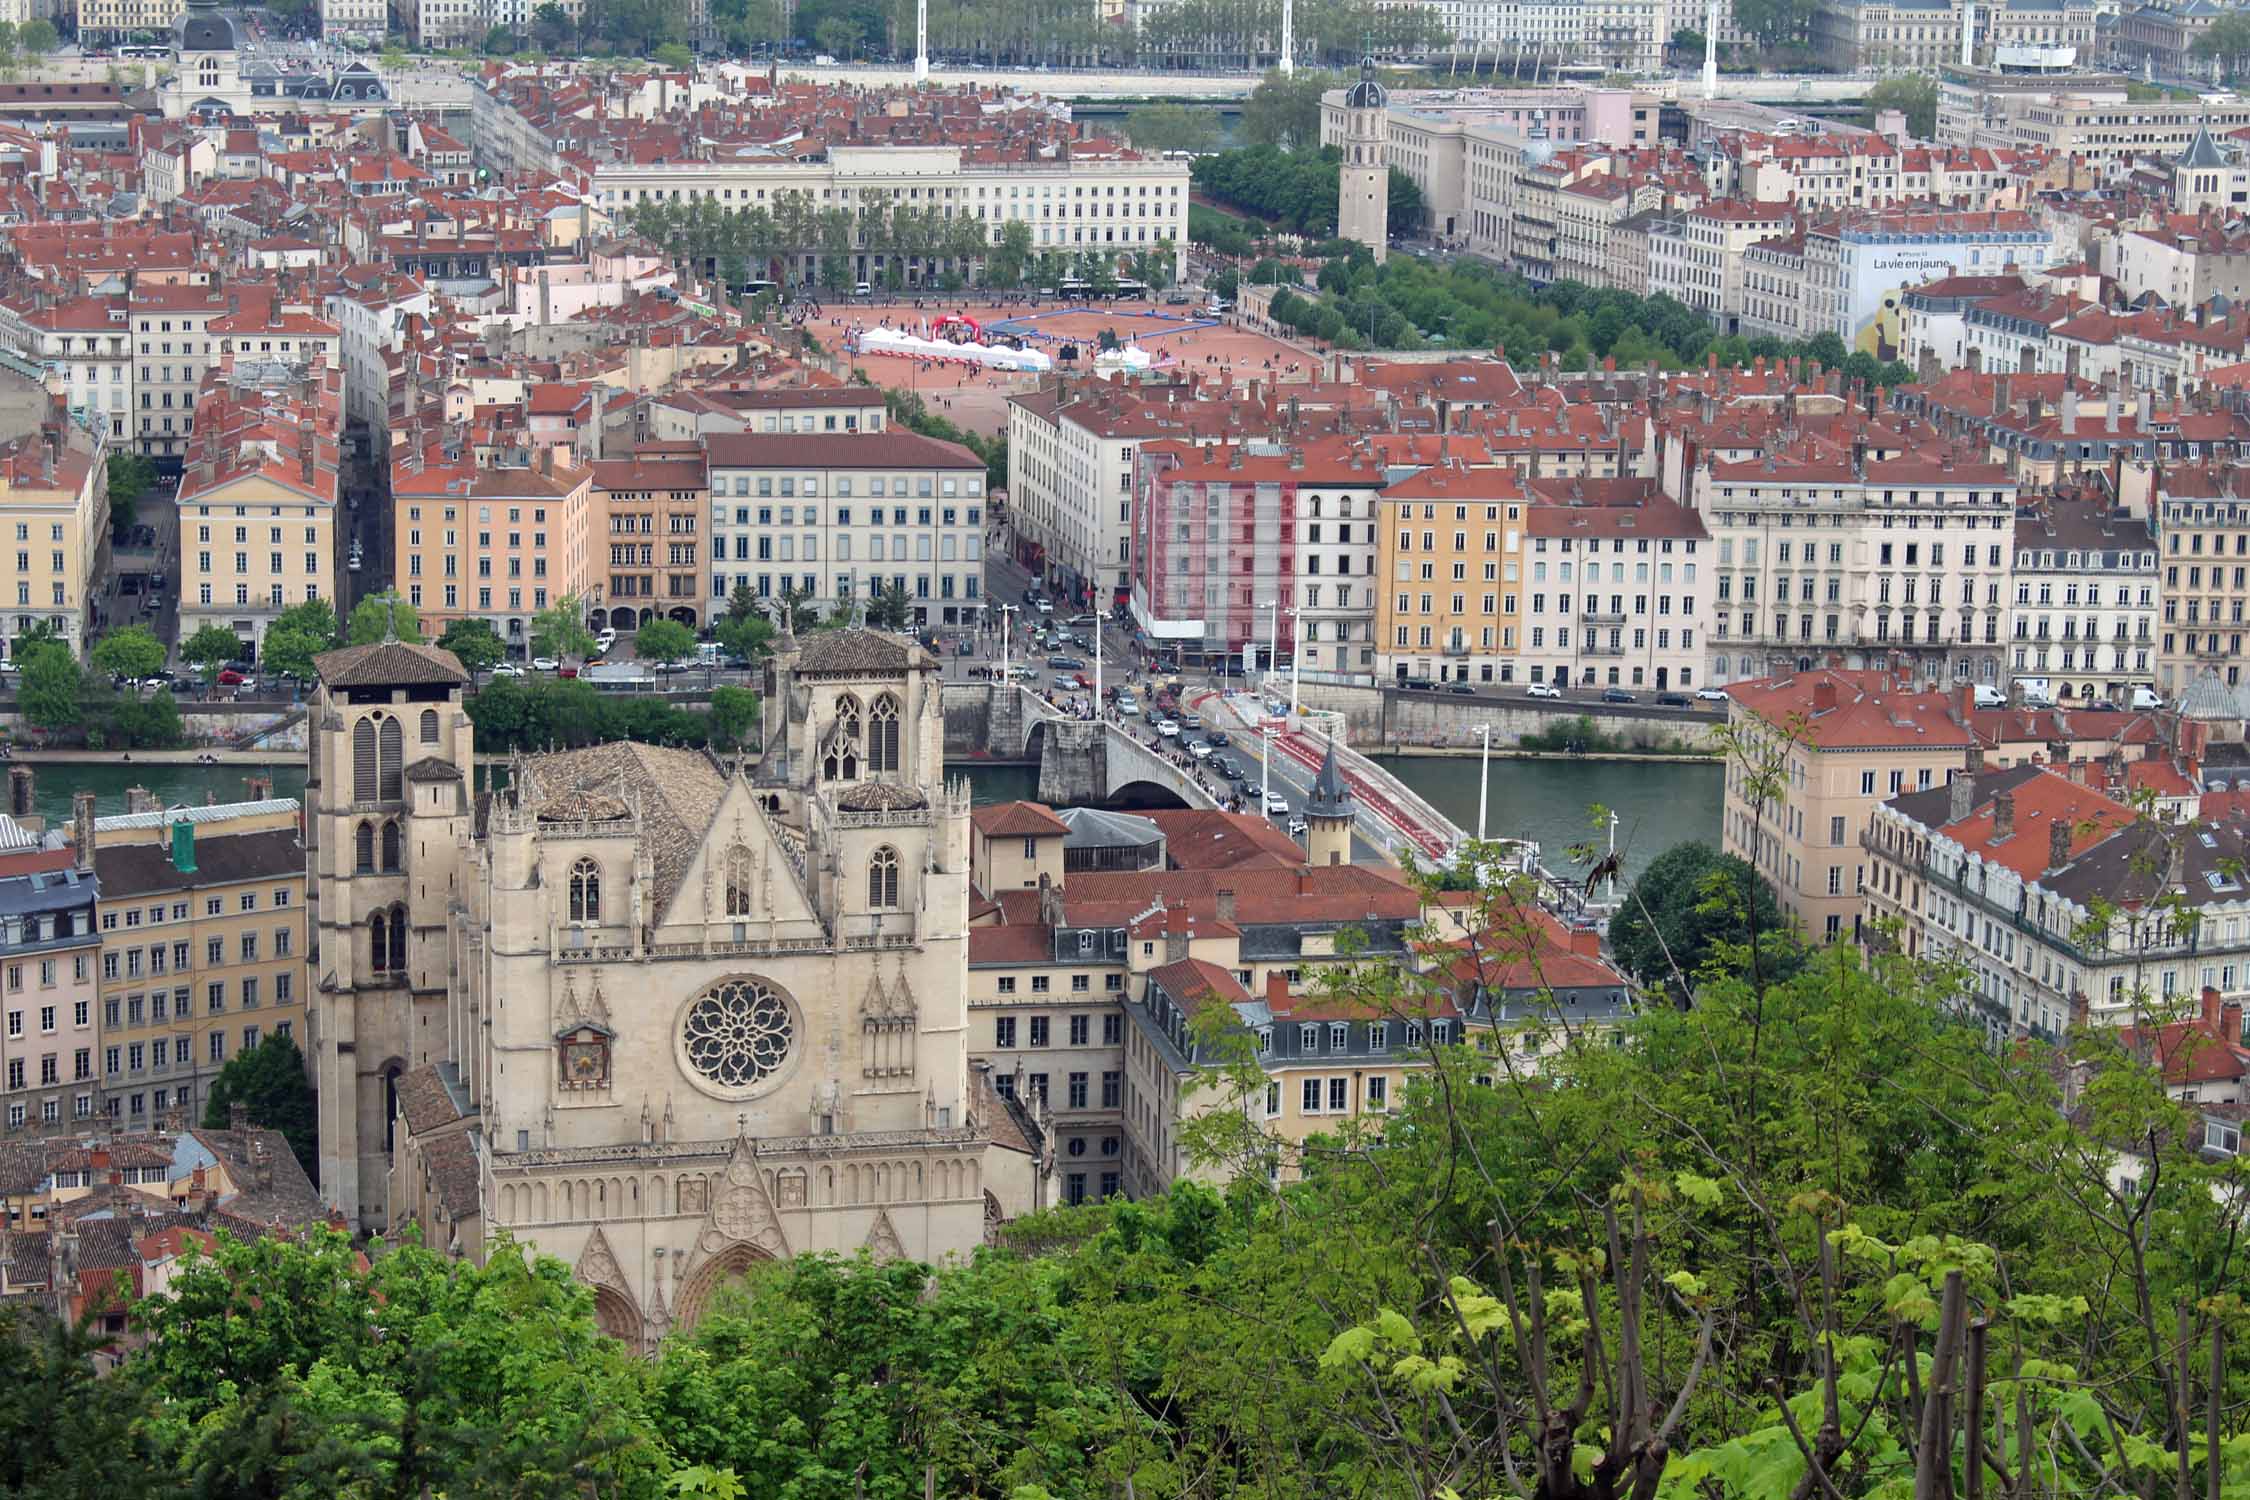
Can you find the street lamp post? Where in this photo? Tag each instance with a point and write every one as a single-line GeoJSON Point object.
{"type": "Point", "coordinates": [1609, 891]}
{"type": "Point", "coordinates": [1265, 771]}
{"type": "Point", "coordinates": [1273, 634]}
{"type": "Point", "coordinates": [1006, 610]}
{"type": "Point", "coordinates": [1484, 778]}
{"type": "Point", "coordinates": [1097, 667]}
{"type": "Point", "coordinates": [1296, 655]}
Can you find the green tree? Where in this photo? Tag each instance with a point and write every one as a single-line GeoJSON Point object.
{"type": "Point", "coordinates": [67, 1431]}
{"type": "Point", "coordinates": [36, 39]}
{"type": "Point", "coordinates": [1284, 110]}
{"type": "Point", "coordinates": [51, 691]}
{"type": "Point", "coordinates": [385, 616]}
{"type": "Point", "coordinates": [664, 641]}
{"type": "Point", "coordinates": [747, 638]}
{"type": "Point", "coordinates": [297, 635]}
{"type": "Point", "coordinates": [675, 56]}
{"type": "Point", "coordinates": [551, 28]}
{"type": "Point", "coordinates": [1173, 127]}
{"type": "Point", "coordinates": [270, 1083]}
{"type": "Point", "coordinates": [152, 722]}
{"type": "Point", "coordinates": [498, 42]}
{"type": "Point", "coordinates": [1686, 910]}
{"type": "Point", "coordinates": [130, 651]}
{"type": "Point", "coordinates": [1004, 266]}
{"type": "Point", "coordinates": [130, 476]}
{"type": "Point", "coordinates": [209, 650]}
{"type": "Point", "coordinates": [38, 636]}
{"type": "Point", "coordinates": [890, 609]}
{"type": "Point", "coordinates": [734, 715]}
{"type": "Point", "coordinates": [1775, 23]}
{"type": "Point", "coordinates": [837, 37]}
{"type": "Point", "coordinates": [742, 604]}
{"type": "Point", "coordinates": [560, 630]}
{"type": "Point", "coordinates": [2226, 41]}
{"type": "Point", "coordinates": [1916, 94]}
{"type": "Point", "coordinates": [476, 643]}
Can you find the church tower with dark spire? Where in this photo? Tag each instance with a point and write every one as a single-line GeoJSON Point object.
{"type": "Point", "coordinates": [1329, 815]}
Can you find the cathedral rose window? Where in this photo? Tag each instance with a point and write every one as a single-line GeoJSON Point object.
{"type": "Point", "coordinates": [737, 1034]}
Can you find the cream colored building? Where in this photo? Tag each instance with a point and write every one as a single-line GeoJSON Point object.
{"type": "Point", "coordinates": [54, 502]}
{"type": "Point", "coordinates": [1823, 750]}
{"type": "Point", "coordinates": [258, 496]}
{"type": "Point", "coordinates": [1449, 576]}
{"type": "Point", "coordinates": [203, 950]}
{"type": "Point", "coordinates": [661, 1015]}
{"type": "Point", "coordinates": [497, 542]}
{"type": "Point", "coordinates": [108, 22]}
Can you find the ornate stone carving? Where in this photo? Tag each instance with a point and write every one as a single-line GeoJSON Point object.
{"type": "Point", "coordinates": [695, 1195]}
{"type": "Point", "coordinates": [882, 1240]}
{"type": "Point", "coordinates": [792, 1186]}
{"type": "Point", "coordinates": [742, 1214]}
{"type": "Point", "coordinates": [597, 1265]}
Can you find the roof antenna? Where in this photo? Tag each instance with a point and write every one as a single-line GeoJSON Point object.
{"type": "Point", "coordinates": [390, 617]}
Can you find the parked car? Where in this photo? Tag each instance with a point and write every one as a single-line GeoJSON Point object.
{"type": "Point", "coordinates": [1616, 695]}
{"type": "Point", "coordinates": [1418, 684]}
{"type": "Point", "coordinates": [1065, 663]}
{"type": "Point", "coordinates": [507, 669]}
{"type": "Point", "coordinates": [567, 672]}
{"type": "Point", "coordinates": [229, 677]}
{"type": "Point", "coordinates": [1711, 695]}
{"type": "Point", "coordinates": [544, 664]}
{"type": "Point", "coordinates": [1672, 700]}
{"type": "Point", "coordinates": [1276, 803]}
{"type": "Point", "coordinates": [1466, 689]}
{"type": "Point", "coordinates": [1542, 690]}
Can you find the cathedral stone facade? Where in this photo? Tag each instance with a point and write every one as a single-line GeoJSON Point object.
{"type": "Point", "coordinates": [661, 1013]}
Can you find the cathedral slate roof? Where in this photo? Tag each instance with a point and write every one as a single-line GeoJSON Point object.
{"type": "Point", "coordinates": [881, 796]}
{"type": "Point", "coordinates": [389, 664]}
{"type": "Point", "coordinates": [855, 650]}
{"type": "Point", "coordinates": [430, 768]}
{"type": "Point", "coordinates": [678, 790]}
{"type": "Point", "coordinates": [425, 1100]}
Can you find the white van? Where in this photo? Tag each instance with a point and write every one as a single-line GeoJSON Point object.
{"type": "Point", "coordinates": [2146, 698]}
{"type": "Point", "coordinates": [1990, 697]}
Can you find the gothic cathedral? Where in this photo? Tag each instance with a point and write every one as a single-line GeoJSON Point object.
{"type": "Point", "coordinates": [659, 1012]}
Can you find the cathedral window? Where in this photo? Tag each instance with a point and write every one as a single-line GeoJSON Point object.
{"type": "Point", "coordinates": [585, 892]}
{"type": "Point", "coordinates": [738, 882]}
{"type": "Point", "coordinates": [386, 931]}
{"type": "Point", "coordinates": [363, 849]}
{"type": "Point", "coordinates": [840, 762]}
{"type": "Point", "coordinates": [391, 848]}
{"type": "Point", "coordinates": [882, 879]}
{"type": "Point", "coordinates": [882, 736]}
{"type": "Point", "coordinates": [737, 1034]}
{"type": "Point", "coordinates": [363, 761]}
{"type": "Point", "coordinates": [393, 761]}
{"type": "Point", "coordinates": [429, 726]}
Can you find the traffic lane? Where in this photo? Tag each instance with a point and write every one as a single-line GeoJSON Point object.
{"type": "Point", "coordinates": [1644, 704]}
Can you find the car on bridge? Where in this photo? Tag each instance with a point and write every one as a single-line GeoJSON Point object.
{"type": "Point", "coordinates": [1276, 803]}
{"type": "Point", "coordinates": [1128, 705]}
{"type": "Point", "coordinates": [1542, 690]}
{"type": "Point", "coordinates": [1065, 663]}
{"type": "Point", "coordinates": [1168, 729]}
{"type": "Point", "coordinates": [1616, 695]}
{"type": "Point", "coordinates": [1673, 700]}
{"type": "Point", "coordinates": [1712, 695]}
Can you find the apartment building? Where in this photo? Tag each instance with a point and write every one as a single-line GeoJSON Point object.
{"type": "Point", "coordinates": [203, 948]}
{"type": "Point", "coordinates": [1904, 560]}
{"type": "Point", "coordinates": [105, 23]}
{"type": "Point", "coordinates": [1698, 256]}
{"type": "Point", "coordinates": [844, 516]}
{"type": "Point", "coordinates": [49, 951]}
{"type": "Point", "coordinates": [1773, 288]}
{"type": "Point", "coordinates": [54, 504]}
{"type": "Point", "coordinates": [1617, 588]}
{"type": "Point", "coordinates": [1998, 872]}
{"type": "Point", "coordinates": [88, 340]}
{"type": "Point", "coordinates": [1075, 205]}
{"type": "Point", "coordinates": [2085, 605]}
{"type": "Point", "coordinates": [1449, 566]}
{"type": "Point", "coordinates": [1234, 542]}
{"type": "Point", "coordinates": [258, 495]}
{"type": "Point", "coordinates": [1070, 486]}
{"type": "Point", "coordinates": [1843, 742]}
{"type": "Point", "coordinates": [2203, 535]}
{"type": "Point", "coordinates": [496, 542]}
{"type": "Point", "coordinates": [2103, 132]}
{"type": "Point", "coordinates": [649, 510]}
{"type": "Point", "coordinates": [1859, 266]}
{"type": "Point", "coordinates": [173, 348]}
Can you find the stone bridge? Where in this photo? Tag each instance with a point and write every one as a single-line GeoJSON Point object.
{"type": "Point", "coordinates": [1080, 762]}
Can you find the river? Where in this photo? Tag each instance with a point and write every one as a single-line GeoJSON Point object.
{"type": "Point", "coordinates": [1658, 803]}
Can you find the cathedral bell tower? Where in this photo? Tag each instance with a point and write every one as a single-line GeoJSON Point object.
{"type": "Point", "coordinates": [387, 816]}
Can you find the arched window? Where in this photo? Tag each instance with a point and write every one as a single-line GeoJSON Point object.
{"type": "Point", "coordinates": [585, 892]}
{"type": "Point", "coordinates": [738, 882]}
{"type": "Point", "coordinates": [393, 760]}
{"type": "Point", "coordinates": [379, 940]}
{"type": "Point", "coordinates": [429, 726]}
{"type": "Point", "coordinates": [840, 762]}
{"type": "Point", "coordinates": [882, 736]}
{"type": "Point", "coordinates": [363, 848]}
{"type": "Point", "coordinates": [882, 879]}
{"type": "Point", "coordinates": [391, 847]}
{"type": "Point", "coordinates": [398, 938]}
{"type": "Point", "coordinates": [363, 761]}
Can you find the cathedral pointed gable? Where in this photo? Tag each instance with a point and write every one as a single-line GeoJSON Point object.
{"type": "Point", "coordinates": [882, 1244]}
{"type": "Point", "coordinates": [777, 893]}
{"type": "Point", "coordinates": [676, 794]}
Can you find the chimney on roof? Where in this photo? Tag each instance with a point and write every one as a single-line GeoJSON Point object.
{"type": "Point", "coordinates": [2058, 843]}
{"type": "Point", "coordinates": [238, 1115]}
{"type": "Point", "coordinates": [1824, 695]}
{"type": "Point", "coordinates": [1961, 796]}
{"type": "Point", "coordinates": [2003, 817]}
{"type": "Point", "coordinates": [82, 828]}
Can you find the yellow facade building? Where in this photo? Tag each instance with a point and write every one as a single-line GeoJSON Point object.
{"type": "Point", "coordinates": [1449, 572]}
{"type": "Point", "coordinates": [54, 504]}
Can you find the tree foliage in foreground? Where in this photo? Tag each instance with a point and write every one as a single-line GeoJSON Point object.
{"type": "Point", "coordinates": [1810, 1237]}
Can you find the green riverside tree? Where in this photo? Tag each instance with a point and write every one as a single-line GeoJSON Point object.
{"type": "Point", "coordinates": [270, 1083]}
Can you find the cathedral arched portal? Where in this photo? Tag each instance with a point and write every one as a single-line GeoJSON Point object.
{"type": "Point", "coordinates": [617, 1317]}
{"type": "Point", "coordinates": [726, 1269]}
